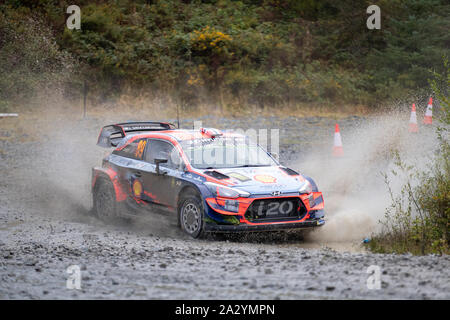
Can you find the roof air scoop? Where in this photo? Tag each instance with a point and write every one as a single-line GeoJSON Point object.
{"type": "Point", "coordinates": [211, 132]}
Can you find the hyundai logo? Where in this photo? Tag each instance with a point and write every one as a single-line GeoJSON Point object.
{"type": "Point", "coordinates": [276, 193]}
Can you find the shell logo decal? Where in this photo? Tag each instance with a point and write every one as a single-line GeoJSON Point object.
{"type": "Point", "coordinates": [137, 188]}
{"type": "Point", "coordinates": [264, 178]}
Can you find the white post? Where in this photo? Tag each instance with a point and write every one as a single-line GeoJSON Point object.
{"type": "Point", "coordinates": [4, 115]}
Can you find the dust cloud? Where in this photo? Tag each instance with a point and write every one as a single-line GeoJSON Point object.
{"type": "Point", "coordinates": [53, 161]}
{"type": "Point", "coordinates": [54, 171]}
{"type": "Point", "coordinates": [356, 195]}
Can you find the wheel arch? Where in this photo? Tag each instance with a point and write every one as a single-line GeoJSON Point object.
{"type": "Point", "coordinates": [108, 174]}
{"type": "Point", "coordinates": [186, 188]}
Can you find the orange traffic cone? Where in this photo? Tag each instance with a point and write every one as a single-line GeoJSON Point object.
{"type": "Point", "coordinates": [338, 151]}
{"type": "Point", "coordinates": [428, 119]}
{"type": "Point", "coordinates": [413, 120]}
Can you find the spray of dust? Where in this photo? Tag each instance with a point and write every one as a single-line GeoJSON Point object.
{"type": "Point", "coordinates": [356, 195]}
{"type": "Point", "coordinates": [55, 170]}
{"type": "Point", "coordinates": [51, 166]}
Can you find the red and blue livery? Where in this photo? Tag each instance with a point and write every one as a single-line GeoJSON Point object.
{"type": "Point", "coordinates": [212, 181]}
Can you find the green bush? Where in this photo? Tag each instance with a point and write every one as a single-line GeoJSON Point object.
{"type": "Point", "coordinates": [30, 59]}
{"type": "Point", "coordinates": [418, 219]}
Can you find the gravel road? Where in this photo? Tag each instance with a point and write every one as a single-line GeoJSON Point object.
{"type": "Point", "coordinates": [45, 227]}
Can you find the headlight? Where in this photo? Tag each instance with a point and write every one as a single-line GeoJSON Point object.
{"type": "Point", "coordinates": [305, 188]}
{"type": "Point", "coordinates": [225, 192]}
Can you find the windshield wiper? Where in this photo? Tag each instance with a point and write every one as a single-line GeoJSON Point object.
{"type": "Point", "coordinates": [252, 165]}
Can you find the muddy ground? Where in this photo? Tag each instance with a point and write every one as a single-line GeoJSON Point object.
{"type": "Point", "coordinates": [46, 226]}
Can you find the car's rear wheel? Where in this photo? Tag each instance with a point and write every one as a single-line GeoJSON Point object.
{"type": "Point", "coordinates": [105, 204]}
{"type": "Point", "coordinates": [190, 214]}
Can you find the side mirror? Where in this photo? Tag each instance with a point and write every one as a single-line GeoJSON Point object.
{"type": "Point", "coordinates": [157, 162]}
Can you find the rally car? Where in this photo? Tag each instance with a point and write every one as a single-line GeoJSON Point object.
{"type": "Point", "coordinates": [212, 181]}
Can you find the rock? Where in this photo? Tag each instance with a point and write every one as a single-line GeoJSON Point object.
{"type": "Point", "coordinates": [30, 263]}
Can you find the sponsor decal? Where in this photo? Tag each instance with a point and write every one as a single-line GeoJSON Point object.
{"type": "Point", "coordinates": [194, 177]}
{"type": "Point", "coordinates": [137, 188]}
{"type": "Point", "coordinates": [238, 176]}
{"type": "Point", "coordinates": [140, 149]}
{"type": "Point", "coordinates": [264, 178]}
{"type": "Point", "coordinates": [137, 127]}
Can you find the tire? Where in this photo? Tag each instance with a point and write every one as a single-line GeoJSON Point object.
{"type": "Point", "coordinates": [190, 214]}
{"type": "Point", "coordinates": [105, 205]}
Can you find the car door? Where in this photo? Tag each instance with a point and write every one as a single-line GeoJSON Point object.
{"type": "Point", "coordinates": [128, 162]}
{"type": "Point", "coordinates": [162, 188]}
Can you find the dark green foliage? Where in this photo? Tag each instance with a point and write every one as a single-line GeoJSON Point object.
{"type": "Point", "coordinates": [30, 59]}
{"type": "Point", "coordinates": [274, 52]}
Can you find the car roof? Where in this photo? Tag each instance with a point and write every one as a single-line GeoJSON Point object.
{"type": "Point", "coordinates": [179, 134]}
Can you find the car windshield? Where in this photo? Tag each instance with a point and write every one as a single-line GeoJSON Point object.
{"type": "Point", "coordinates": [225, 153]}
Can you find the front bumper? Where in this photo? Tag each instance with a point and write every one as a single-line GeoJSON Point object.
{"type": "Point", "coordinates": [264, 227]}
{"type": "Point", "coordinates": [219, 220]}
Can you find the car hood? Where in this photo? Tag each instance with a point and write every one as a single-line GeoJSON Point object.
{"type": "Point", "coordinates": [263, 180]}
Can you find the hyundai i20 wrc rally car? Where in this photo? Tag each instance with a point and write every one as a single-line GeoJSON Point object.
{"type": "Point", "coordinates": [212, 181]}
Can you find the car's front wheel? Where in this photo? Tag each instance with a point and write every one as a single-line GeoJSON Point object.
{"type": "Point", "coordinates": [190, 211]}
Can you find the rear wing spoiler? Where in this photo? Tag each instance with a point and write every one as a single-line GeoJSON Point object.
{"type": "Point", "coordinates": [111, 135]}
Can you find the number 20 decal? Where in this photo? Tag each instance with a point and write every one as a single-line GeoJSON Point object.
{"type": "Point", "coordinates": [284, 207]}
